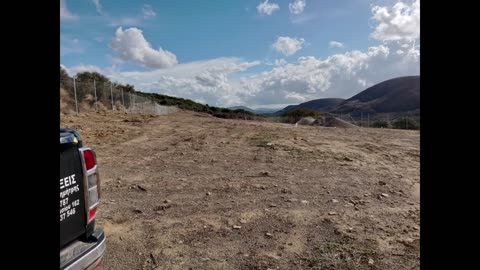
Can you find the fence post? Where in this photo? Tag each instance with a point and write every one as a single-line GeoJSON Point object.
{"type": "Point", "coordinates": [368, 120]}
{"type": "Point", "coordinates": [132, 102]}
{"type": "Point", "coordinates": [95, 90]}
{"type": "Point", "coordinates": [123, 99]}
{"type": "Point", "coordinates": [75, 93]}
{"type": "Point", "coordinates": [111, 95]}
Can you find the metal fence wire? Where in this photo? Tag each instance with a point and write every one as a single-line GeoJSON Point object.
{"type": "Point", "coordinates": [79, 97]}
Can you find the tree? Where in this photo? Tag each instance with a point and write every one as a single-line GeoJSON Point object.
{"type": "Point", "coordinates": [65, 80]}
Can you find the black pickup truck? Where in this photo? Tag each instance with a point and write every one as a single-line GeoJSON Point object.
{"type": "Point", "coordinates": [82, 244]}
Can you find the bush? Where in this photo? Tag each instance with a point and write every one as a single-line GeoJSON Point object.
{"type": "Point", "coordinates": [381, 124]}
{"type": "Point", "coordinates": [295, 115]}
{"type": "Point", "coordinates": [405, 123]}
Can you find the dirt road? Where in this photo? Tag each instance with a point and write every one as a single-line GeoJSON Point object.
{"type": "Point", "coordinates": [188, 191]}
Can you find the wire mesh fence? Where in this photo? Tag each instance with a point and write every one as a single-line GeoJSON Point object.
{"type": "Point", "coordinates": [382, 120]}
{"type": "Point", "coordinates": [79, 97]}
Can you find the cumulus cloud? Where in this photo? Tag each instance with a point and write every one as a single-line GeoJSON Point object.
{"type": "Point", "coordinates": [297, 7]}
{"type": "Point", "coordinates": [222, 81]}
{"type": "Point", "coordinates": [132, 45]}
{"type": "Point", "coordinates": [288, 45]}
{"type": "Point", "coordinates": [336, 44]}
{"type": "Point", "coordinates": [266, 8]}
{"type": "Point", "coordinates": [400, 22]}
{"type": "Point", "coordinates": [280, 62]}
{"type": "Point", "coordinates": [65, 14]}
{"type": "Point", "coordinates": [340, 75]}
{"type": "Point", "coordinates": [148, 12]}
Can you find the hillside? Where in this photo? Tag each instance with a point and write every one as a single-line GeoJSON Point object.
{"type": "Point", "coordinates": [323, 104]}
{"type": "Point", "coordinates": [397, 95]}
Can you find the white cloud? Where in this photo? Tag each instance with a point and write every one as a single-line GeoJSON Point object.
{"type": "Point", "coordinates": [297, 7]}
{"type": "Point", "coordinates": [98, 6]}
{"type": "Point", "coordinates": [340, 75]}
{"type": "Point", "coordinates": [132, 45]}
{"type": "Point", "coordinates": [280, 62]}
{"type": "Point", "coordinates": [267, 8]}
{"type": "Point", "coordinates": [65, 14]}
{"type": "Point", "coordinates": [400, 22]}
{"type": "Point", "coordinates": [400, 52]}
{"type": "Point", "coordinates": [148, 12]}
{"type": "Point", "coordinates": [223, 81]}
{"type": "Point", "coordinates": [288, 45]}
{"type": "Point", "coordinates": [336, 44]}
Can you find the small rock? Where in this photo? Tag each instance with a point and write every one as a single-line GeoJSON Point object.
{"type": "Point", "coordinates": [350, 229]}
{"type": "Point", "coordinates": [153, 259]}
{"type": "Point", "coordinates": [347, 159]}
{"type": "Point", "coordinates": [268, 234]}
{"type": "Point", "coordinates": [265, 173]}
{"type": "Point", "coordinates": [273, 205]}
{"type": "Point", "coordinates": [237, 227]}
{"type": "Point", "coordinates": [366, 195]}
{"type": "Point", "coordinates": [138, 211]}
{"type": "Point", "coordinates": [324, 187]}
{"type": "Point", "coordinates": [209, 193]}
{"type": "Point", "coordinates": [243, 221]}
{"type": "Point", "coordinates": [407, 240]}
{"type": "Point", "coordinates": [334, 201]}
{"type": "Point", "coordinates": [167, 201]}
{"type": "Point", "coordinates": [304, 201]}
{"type": "Point", "coordinates": [180, 242]}
{"type": "Point", "coordinates": [332, 213]}
{"type": "Point", "coordinates": [292, 200]}
{"type": "Point", "coordinates": [141, 188]}
{"type": "Point", "coordinates": [275, 185]}
{"type": "Point", "coordinates": [382, 183]}
{"type": "Point", "coordinates": [269, 144]}
{"type": "Point", "coordinates": [349, 205]}
{"type": "Point", "coordinates": [371, 261]}
{"type": "Point", "coordinates": [385, 195]}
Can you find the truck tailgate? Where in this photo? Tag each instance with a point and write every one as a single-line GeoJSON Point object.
{"type": "Point", "coordinates": [72, 196]}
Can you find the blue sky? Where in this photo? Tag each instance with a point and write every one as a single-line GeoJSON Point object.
{"type": "Point", "coordinates": [251, 52]}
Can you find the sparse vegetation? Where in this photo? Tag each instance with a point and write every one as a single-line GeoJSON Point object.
{"type": "Point", "coordinates": [85, 85]}
{"type": "Point", "coordinates": [295, 115]}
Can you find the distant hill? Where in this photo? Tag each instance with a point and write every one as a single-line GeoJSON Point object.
{"type": "Point", "coordinates": [396, 95]}
{"type": "Point", "coordinates": [323, 104]}
{"type": "Point", "coordinates": [257, 111]}
{"type": "Point", "coordinates": [241, 108]}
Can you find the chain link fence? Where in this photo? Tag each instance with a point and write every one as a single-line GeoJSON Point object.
{"type": "Point", "coordinates": [385, 120]}
{"type": "Point", "coordinates": [79, 97]}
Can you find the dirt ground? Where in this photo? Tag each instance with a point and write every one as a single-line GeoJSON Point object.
{"type": "Point", "coordinates": [189, 191]}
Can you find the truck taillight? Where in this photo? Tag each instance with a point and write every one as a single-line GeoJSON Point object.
{"type": "Point", "coordinates": [89, 159]}
{"type": "Point", "coordinates": [92, 183]}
